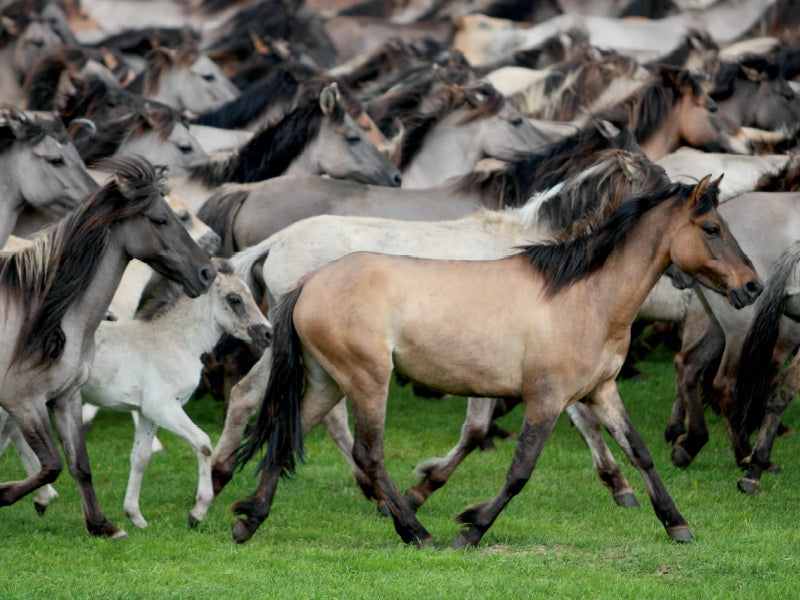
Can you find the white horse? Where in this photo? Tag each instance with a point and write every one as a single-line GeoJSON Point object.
{"type": "Point", "coordinates": [151, 365]}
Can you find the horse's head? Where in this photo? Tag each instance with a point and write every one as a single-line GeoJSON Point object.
{"type": "Point", "coordinates": [342, 150]}
{"type": "Point", "coordinates": [149, 229]}
{"type": "Point", "coordinates": [699, 120]}
{"type": "Point", "coordinates": [44, 162]}
{"type": "Point", "coordinates": [236, 312]}
{"type": "Point", "coordinates": [703, 247]}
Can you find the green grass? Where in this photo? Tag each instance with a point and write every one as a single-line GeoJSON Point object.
{"type": "Point", "coordinates": [561, 537]}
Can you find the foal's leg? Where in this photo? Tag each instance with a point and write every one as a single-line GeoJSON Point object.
{"type": "Point", "coordinates": [172, 417]}
{"type": "Point", "coordinates": [781, 396]}
{"type": "Point", "coordinates": [435, 472]}
{"type": "Point", "coordinates": [540, 418]}
{"type": "Point", "coordinates": [244, 399]}
{"type": "Point", "coordinates": [67, 417]}
{"type": "Point", "coordinates": [140, 457]}
{"type": "Point", "coordinates": [607, 405]}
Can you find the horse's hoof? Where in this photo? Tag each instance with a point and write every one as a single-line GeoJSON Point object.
{"type": "Point", "coordinates": [680, 457]}
{"type": "Point", "coordinates": [193, 522]}
{"type": "Point", "coordinates": [773, 468]}
{"type": "Point", "coordinates": [120, 534]}
{"type": "Point", "coordinates": [748, 486]}
{"type": "Point", "coordinates": [627, 500]}
{"type": "Point", "coordinates": [240, 532]}
{"type": "Point", "coordinates": [461, 542]}
{"type": "Point", "coordinates": [40, 508]}
{"type": "Point", "coordinates": [426, 542]}
{"type": "Point", "coordinates": [680, 533]}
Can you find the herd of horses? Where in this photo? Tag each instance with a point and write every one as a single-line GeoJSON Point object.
{"type": "Point", "coordinates": [288, 203]}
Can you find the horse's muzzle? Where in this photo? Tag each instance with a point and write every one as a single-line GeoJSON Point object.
{"type": "Point", "coordinates": [260, 335]}
{"type": "Point", "coordinates": [747, 294]}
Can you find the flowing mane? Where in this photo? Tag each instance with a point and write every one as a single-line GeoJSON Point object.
{"type": "Point", "coordinates": [48, 276]}
{"type": "Point", "coordinates": [274, 147]}
{"type": "Point", "coordinates": [565, 263]}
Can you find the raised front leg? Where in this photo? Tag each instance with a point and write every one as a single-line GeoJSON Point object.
{"type": "Point", "coordinates": [536, 428]}
{"type": "Point", "coordinates": [245, 398]}
{"type": "Point", "coordinates": [607, 405]}
{"type": "Point", "coordinates": [67, 418]}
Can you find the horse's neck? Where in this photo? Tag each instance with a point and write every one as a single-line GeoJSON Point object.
{"type": "Point", "coordinates": [445, 152]}
{"type": "Point", "coordinates": [663, 139]}
{"type": "Point", "coordinates": [10, 197]}
{"type": "Point", "coordinates": [189, 321]}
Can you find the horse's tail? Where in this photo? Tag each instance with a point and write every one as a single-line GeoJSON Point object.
{"type": "Point", "coordinates": [755, 372]}
{"type": "Point", "coordinates": [219, 213]}
{"type": "Point", "coordinates": [278, 422]}
{"type": "Point", "coordinates": [247, 262]}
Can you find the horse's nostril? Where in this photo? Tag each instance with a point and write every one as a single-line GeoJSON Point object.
{"type": "Point", "coordinates": [753, 288]}
{"type": "Point", "coordinates": [207, 275]}
{"type": "Point", "coordinates": [397, 180]}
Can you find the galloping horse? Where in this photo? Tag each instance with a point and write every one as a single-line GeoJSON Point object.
{"type": "Point", "coordinates": [56, 292]}
{"type": "Point", "coordinates": [558, 334]}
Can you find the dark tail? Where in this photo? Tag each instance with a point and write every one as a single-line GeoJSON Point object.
{"type": "Point", "coordinates": [755, 366]}
{"type": "Point", "coordinates": [278, 423]}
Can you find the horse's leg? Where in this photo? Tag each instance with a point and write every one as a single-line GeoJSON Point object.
{"type": "Point", "coordinates": [335, 423]}
{"type": "Point", "coordinates": [174, 419]}
{"type": "Point", "coordinates": [245, 397]}
{"type": "Point", "coordinates": [690, 364]}
{"type": "Point", "coordinates": [67, 418]}
{"type": "Point", "coordinates": [780, 397]}
{"type": "Point", "coordinates": [320, 396]}
{"type": "Point", "coordinates": [607, 405]}
{"type": "Point", "coordinates": [540, 418]}
{"type": "Point", "coordinates": [33, 423]}
{"type": "Point", "coordinates": [156, 443]}
{"type": "Point", "coordinates": [435, 472]}
{"type": "Point", "coordinates": [368, 397]}
{"type": "Point", "coordinates": [10, 432]}
{"type": "Point", "coordinates": [607, 468]}
{"type": "Point", "coordinates": [140, 457]}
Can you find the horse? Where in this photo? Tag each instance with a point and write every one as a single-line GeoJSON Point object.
{"type": "Point", "coordinates": [272, 267]}
{"type": "Point", "coordinates": [150, 366]}
{"type": "Point", "coordinates": [57, 291]}
{"type": "Point", "coordinates": [564, 347]}
{"type": "Point", "coordinates": [244, 215]}
{"type": "Point", "coordinates": [185, 79]}
{"type": "Point", "coordinates": [317, 136]}
{"type": "Point", "coordinates": [710, 357]}
{"type": "Point", "coordinates": [40, 168]}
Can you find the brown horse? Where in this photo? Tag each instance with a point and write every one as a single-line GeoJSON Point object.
{"type": "Point", "coordinates": [560, 335]}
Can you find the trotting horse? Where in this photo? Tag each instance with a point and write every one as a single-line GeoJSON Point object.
{"type": "Point", "coordinates": [558, 333]}
{"type": "Point", "coordinates": [56, 292]}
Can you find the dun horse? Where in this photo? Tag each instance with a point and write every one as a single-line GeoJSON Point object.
{"type": "Point", "coordinates": [550, 325]}
{"type": "Point", "coordinates": [56, 292]}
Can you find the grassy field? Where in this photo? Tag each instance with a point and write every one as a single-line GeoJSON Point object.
{"type": "Point", "coordinates": [562, 537]}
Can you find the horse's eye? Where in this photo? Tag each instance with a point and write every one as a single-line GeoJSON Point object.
{"type": "Point", "coordinates": [711, 230]}
{"type": "Point", "coordinates": [208, 77]}
{"type": "Point", "coordinates": [353, 139]}
{"type": "Point", "coordinates": [185, 148]}
{"type": "Point", "coordinates": [516, 122]}
{"type": "Point", "coordinates": [158, 221]}
{"type": "Point", "coordinates": [713, 109]}
{"type": "Point", "coordinates": [234, 300]}
{"type": "Point", "coordinates": [56, 161]}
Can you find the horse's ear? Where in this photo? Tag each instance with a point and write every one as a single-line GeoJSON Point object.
{"type": "Point", "coordinates": [161, 178]}
{"type": "Point", "coordinates": [625, 165]}
{"type": "Point", "coordinates": [16, 122]}
{"type": "Point", "coordinates": [259, 45]}
{"type": "Point", "coordinates": [606, 128]}
{"type": "Point", "coordinates": [701, 189]}
{"type": "Point", "coordinates": [123, 185]}
{"type": "Point", "coordinates": [8, 24]}
{"type": "Point", "coordinates": [328, 98]}
{"type": "Point", "coordinates": [718, 180]}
